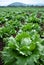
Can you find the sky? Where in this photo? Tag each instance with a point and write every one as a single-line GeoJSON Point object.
{"type": "Point", "coordinates": [33, 2]}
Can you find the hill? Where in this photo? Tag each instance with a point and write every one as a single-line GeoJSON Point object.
{"type": "Point", "coordinates": [17, 4]}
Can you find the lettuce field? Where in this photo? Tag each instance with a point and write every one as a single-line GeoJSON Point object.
{"type": "Point", "coordinates": [22, 36]}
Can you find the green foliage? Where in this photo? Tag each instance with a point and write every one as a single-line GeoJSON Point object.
{"type": "Point", "coordinates": [7, 31]}
{"type": "Point", "coordinates": [21, 30]}
{"type": "Point", "coordinates": [31, 26]}
{"type": "Point", "coordinates": [34, 19]}
{"type": "Point", "coordinates": [27, 51]}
